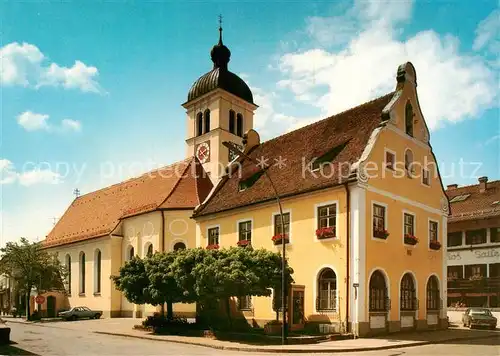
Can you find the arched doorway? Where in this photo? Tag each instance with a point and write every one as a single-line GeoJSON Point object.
{"type": "Point", "coordinates": [408, 303]}
{"type": "Point", "coordinates": [433, 300]}
{"type": "Point", "coordinates": [379, 303]}
{"type": "Point", "coordinates": [51, 306]}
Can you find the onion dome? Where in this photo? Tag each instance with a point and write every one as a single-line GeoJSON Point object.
{"type": "Point", "coordinates": [220, 76]}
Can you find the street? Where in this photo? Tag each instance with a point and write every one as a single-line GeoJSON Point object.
{"type": "Point", "coordinates": [44, 340]}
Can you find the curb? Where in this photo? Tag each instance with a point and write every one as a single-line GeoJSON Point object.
{"type": "Point", "coordinates": [280, 350]}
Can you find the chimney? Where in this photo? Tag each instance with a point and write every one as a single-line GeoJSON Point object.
{"type": "Point", "coordinates": [483, 183]}
{"type": "Point", "coordinates": [451, 186]}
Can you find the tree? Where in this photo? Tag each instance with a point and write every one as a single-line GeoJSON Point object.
{"type": "Point", "coordinates": [215, 276]}
{"type": "Point", "coordinates": [163, 286]}
{"type": "Point", "coordinates": [133, 281]}
{"type": "Point", "coordinates": [31, 266]}
{"type": "Point", "coordinates": [207, 277]}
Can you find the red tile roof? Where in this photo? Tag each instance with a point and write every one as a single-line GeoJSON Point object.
{"type": "Point", "coordinates": [98, 213]}
{"type": "Point", "coordinates": [351, 128]}
{"type": "Point", "coordinates": [478, 205]}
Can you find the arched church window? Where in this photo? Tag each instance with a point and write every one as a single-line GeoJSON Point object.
{"type": "Point", "coordinates": [179, 246]}
{"type": "Point", "coordinates": [239, 125]}
{"type": "Point", "coordinates": [232, 121]}
{"type": "Point", "coordinates": [68, 271]}
{"type": "Point", "coordinates": [97, 271]}
{"type": "Point", "coordinates": [409, 119]}
{"type": "Point", "coordinates": [207, 121]}
{"type": "Point", "coordinates": [199, 124]}
{"type": "Point", "coordinates": [82, 273]}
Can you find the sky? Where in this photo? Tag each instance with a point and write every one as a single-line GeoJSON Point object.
{"type": "Point", "coordinates": [91, 92]}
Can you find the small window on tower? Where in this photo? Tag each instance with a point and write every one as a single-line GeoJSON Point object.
{"type": "Point", "coordinates": [199, 124]}
{"type": "Point", "coordinates": [239, 125]}
{"type": "Point", "coordinates": [207, 121]}
{"type": "Point", "coordinates": [232, 121]}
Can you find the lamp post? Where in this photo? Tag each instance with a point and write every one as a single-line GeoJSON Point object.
{"type": "Point", "coordinates": [232, 147]}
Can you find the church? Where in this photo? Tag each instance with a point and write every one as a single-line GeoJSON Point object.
{"type": "Point", "coordinates": [361, 211]}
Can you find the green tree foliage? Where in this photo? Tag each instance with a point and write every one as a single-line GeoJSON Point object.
{"type": "Point", "coordinates": [133, 281]}
{"type": "Point", "coordinates": [207, 277]}
{"type": "Point", "coordinates": [31, 267]}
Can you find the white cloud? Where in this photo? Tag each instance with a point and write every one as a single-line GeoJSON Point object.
{"type": "Point", "coordinates": [31, 121]}
{"type": "Point", "coordinates": [487, 33]}
{"type": "Point", "coordinates": [71, 125]}
{"type": "Point", "coordinates": [38, 176]}
{"type": "Point", "coordinates": [9, 175]}
{"type": "Point", "coordinates": [24, 64]}
{"type": "Point", "coordinates": [452, 86]}
{"type": "Point", "coordinates": [80, 76]}
{"type": "Point", "coordinates": [491, 140]}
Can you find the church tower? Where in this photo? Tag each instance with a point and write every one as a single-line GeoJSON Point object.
{"type": "Point", "coordinates": [219, 108]}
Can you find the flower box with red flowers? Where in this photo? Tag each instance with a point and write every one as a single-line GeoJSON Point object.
{"type": "Point", "coordinates": [434, 245]}
{"type": "Point", "coordinates": [325, 233]}
{"type": "Point", "coordinates": [410, 239]}
{"type": "Point", "coordinates": [243, 243]}
{"type": "Point", "coordinates": [213, 247]}
{"type": "Point", "coordinates": [278, 239]}
{"type": "Point", "coordinates": [380, 234]}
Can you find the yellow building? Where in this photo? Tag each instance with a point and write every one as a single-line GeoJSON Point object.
{"type": "Point", "coordinates": [352, 186]}
{"type": "Point", "coordinates": [356, 189]}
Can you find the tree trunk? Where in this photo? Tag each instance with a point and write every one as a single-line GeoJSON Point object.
{"type": "Point", "coordinates": [28, 316]}
{"type": "Point", "coordinates": [162, 309]}
{"type": "Point", "coordinates": [170, 310]}
{"type": "Point", "coordinates": [228, 311]}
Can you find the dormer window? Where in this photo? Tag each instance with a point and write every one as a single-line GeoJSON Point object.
{"type": "Point", "coordinates": [207, 120]}
{"type": "Point", "coordinates": [409, 119]}
{"type": "Point", "coordinates": [249, 180]}
{"type": "Point", "coordinates": [199, 124]}
{"type": "Point", "coordinates": [328, 157]}
{"type": "Point", "coordinates": [232, 121]}
{"type": "Point", "coordinates": [239, 125]}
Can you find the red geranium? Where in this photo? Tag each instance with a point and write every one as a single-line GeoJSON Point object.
{"type": "Point", "coordinates": [325, 232]}
{"type": "Point", "coordinates": [213, 247]}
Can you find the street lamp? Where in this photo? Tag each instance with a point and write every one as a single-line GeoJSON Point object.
{"type": "Point", "coordinates": [233, 148]}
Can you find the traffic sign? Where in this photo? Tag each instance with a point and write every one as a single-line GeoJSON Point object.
{"type": "Point", "coordinates": [40, 299]}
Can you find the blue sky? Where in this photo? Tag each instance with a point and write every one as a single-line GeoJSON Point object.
{"type": "Point", "coordinates": [91, 93]}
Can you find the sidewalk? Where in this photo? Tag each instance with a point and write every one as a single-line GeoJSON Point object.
{"type": "Point", "coordinates": [123, 327]}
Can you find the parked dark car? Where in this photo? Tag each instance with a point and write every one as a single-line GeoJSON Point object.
{"type": "Point", "coordinates": [479, 317]}
{"type": "Point", "coordinates": [80, 313]}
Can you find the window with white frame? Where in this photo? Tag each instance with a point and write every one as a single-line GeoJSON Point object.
{"type": "Point", "coordinates": [378, 220]}
{"type": "Point", "coordinates": [409, 163]}
{"type": "Point", "coordinates": [245, 230]}
{"type": "Point", "coordinates": [390, 160]}
{"type": "Point", "coordinates": [327, 290]}
{"type": "Point", "coordinates": [282, 229]}
{"type": "Point", "coordinates": [433, 231]}
{"type": "Point", "coordinates": [409, 224]}
{"type": "Point", "coordinates": [327, 216]}
{"type": "Point", "coordinates": [425, 177]}
{"type": "Point", "coordinates": [213, 236]}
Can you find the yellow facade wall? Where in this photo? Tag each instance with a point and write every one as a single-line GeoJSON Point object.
{"type": "Point", "coordinates": [306, 254]}
{"type": "Point", "coordinates": [91, 299]}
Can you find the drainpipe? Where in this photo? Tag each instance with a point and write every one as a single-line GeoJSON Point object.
{"type": "Point", "coordinates": [348, 253]}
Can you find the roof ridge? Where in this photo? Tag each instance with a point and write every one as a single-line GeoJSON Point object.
{"type": "Point", "coordinates": [132, 178]}
{"type": "Point", "coordinates": [470, 185]}
{"type": "Point", "coordinates": [329, 117]}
